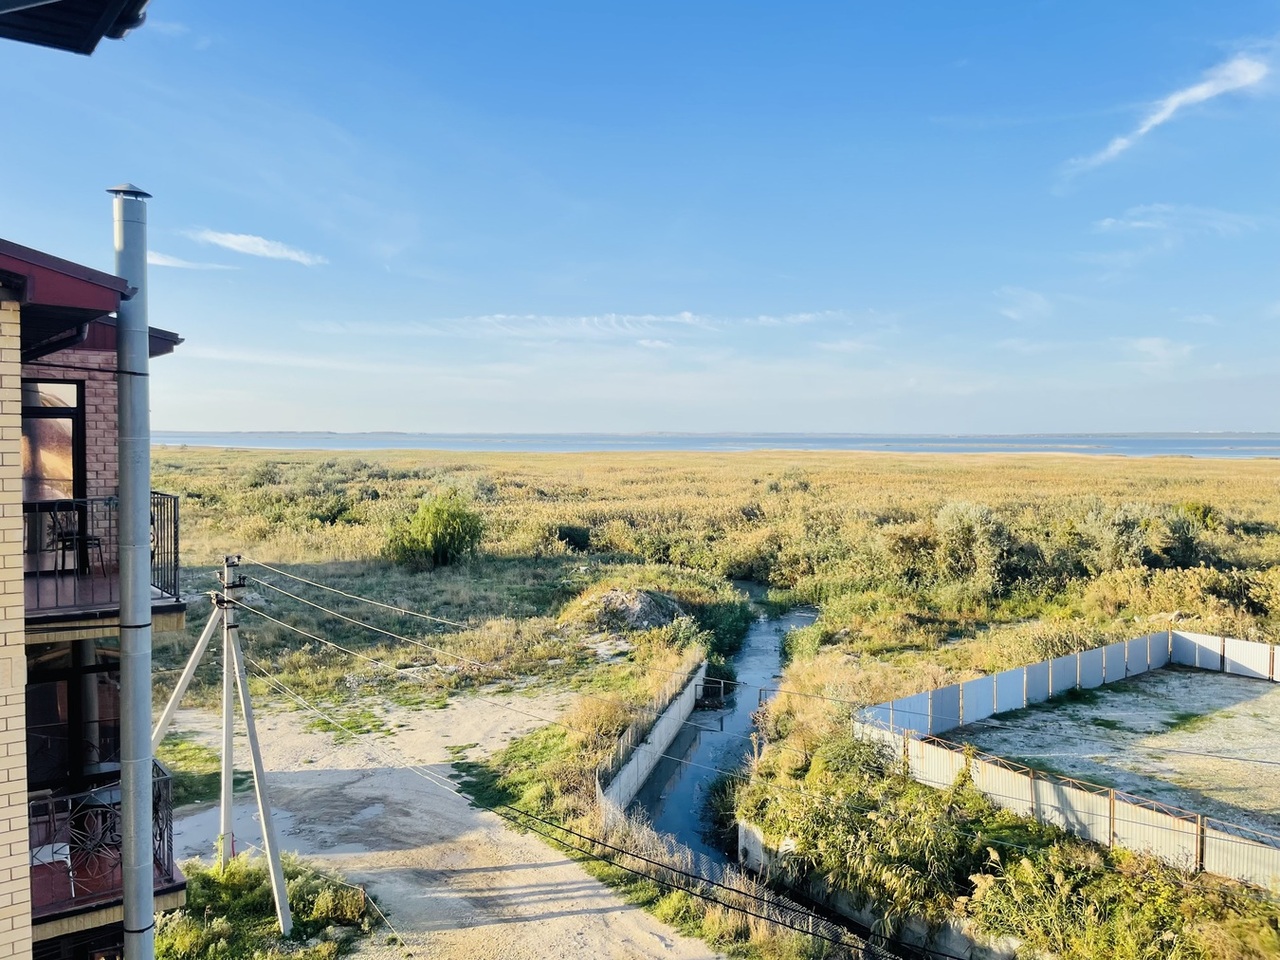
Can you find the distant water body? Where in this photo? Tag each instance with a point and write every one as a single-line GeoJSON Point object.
{"type": "Point", "coordinates": [1234, 445]}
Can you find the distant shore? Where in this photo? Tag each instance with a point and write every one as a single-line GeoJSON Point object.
{"type": "Point", "coordinates": [1211, 445]}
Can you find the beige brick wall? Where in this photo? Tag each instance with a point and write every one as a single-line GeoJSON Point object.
{"type": "Point", "coordinates": [15, 857]}
{"type": "Point", "coordinates": [98, 372]}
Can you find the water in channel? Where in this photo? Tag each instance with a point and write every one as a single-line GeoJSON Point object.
{"type": "Point", "coordinates": [675, 796]}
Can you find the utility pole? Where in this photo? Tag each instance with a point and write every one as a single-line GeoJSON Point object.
{"type": "Point", "coordinates": [232, 588]}
{"type": "Point", "coordinates": [260, 790]}
{"type": "Point", "coordinates": [132, 358]}
{"type": "Point", "coordinates": [234, 682]}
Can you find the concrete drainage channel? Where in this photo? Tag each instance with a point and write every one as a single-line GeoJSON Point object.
{"type": "Point", "coordinates": [645, 758]}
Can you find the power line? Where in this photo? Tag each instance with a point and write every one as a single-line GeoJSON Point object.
{"type": "Point", "coordinates": [496, 668]}
{"type": "Point", "coordinates": [352, 596]}
{"type": "Point", "coordinates": [413, 675]}
{"type": "Point", "coordinates": [681, 760]}
{"type": "Point", "coordinates": [515, 812]}
{"type": "Point", "coordinates": [718, 770]}
{"type": "Point", "coordinates": [761, 688]}
{"type": "Point", "coordinates": [770, 785]}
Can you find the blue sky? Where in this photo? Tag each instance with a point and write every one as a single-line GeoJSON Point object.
{"type": "Point", "coordinates": [979, 217]}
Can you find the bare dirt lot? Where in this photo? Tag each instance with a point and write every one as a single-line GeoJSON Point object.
{"type": "Point", "coordinates": [1206, 742]}
{"type": "Point", "coordinates": [455, 881]}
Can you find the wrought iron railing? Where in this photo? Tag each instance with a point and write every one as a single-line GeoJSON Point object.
{"type": "Point", "coordinates": [164, 543]}
{"type": "Point", "coordinates": [76, 839]}
{"type": "Point", "coordinates": [71, 550]}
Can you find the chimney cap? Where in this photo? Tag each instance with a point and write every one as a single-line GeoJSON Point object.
{"type": "Point", "coordinates": [129, 190]}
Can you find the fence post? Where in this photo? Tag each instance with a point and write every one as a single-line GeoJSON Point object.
{"type": "Point", "coordinates": [1035, 796]}
{"type": "Point", "coordinates": [1199, 843]}
{"type": "Point", "coordinates": [1111, 818]}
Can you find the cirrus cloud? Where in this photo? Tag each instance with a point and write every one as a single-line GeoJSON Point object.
{"type": "Point", "coordinates": [1239, 73]}
{"type": "Point", "coordinates": [255, 246]}
{"type": "Point", "coordinates": [157, 259]}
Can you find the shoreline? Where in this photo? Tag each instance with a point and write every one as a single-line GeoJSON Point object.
{"type": "Point", "coordinates": [1183, 446]}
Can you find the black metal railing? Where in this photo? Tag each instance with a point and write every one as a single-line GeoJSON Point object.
{"type": "Point", "coordinates": [76, 839]}
{"type": "Point", "coordinates": [71, 550]}
{"type": "Point", "coordinates": [164, 543]}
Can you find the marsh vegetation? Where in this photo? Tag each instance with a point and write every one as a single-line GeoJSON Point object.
{"type": "Point", "coordinates": [926, 569]}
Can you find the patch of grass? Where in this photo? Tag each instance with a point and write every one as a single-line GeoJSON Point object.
{"type": "Point", "coordinates": [1079, 695]}
{"type": "Point", "coordinates": [1108, 723]}
{"type": "Point", "coordinates": [1187, 720]}
{"type": "Point", "coordinates": [354, 720]}
{"type": "Point", "coordinates": [196, 769]}
{"type": "Point", "coordinates": [230, 914]}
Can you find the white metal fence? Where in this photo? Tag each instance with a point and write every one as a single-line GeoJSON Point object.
{"type": "Point", "coordinates": [909, 726]}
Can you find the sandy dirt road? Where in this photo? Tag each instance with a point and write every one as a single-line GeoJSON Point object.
{"type": "Point", "coordinates": [455, 881]}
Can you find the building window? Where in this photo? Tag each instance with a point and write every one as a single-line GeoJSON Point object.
{"type": "Point", "coordinates": [52, 440]}
{"type": "Point", "coordinates": [73, 713]}
{"type": "Point", "coordinates": [102, 943]}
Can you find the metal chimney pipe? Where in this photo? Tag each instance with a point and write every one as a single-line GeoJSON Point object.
{"type": "Point", "coordinates": [132, 357]}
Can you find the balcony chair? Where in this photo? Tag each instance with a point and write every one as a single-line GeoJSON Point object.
{"type": "Point", "coordinates": [69, 538]}
{"type": "Point", "coordinates": [54, 852]}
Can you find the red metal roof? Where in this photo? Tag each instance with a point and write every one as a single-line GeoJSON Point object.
{"type": "Point", "coordinates": [47, 281]}
{"type": "Point", "coordinates": [58, 295]}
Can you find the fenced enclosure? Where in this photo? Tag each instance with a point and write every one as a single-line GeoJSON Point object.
{"type": "Point", "coordinates": [1104, 815]}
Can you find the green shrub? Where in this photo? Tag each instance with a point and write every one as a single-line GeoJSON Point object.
{"type": "Point", "coordinates": [230, 913]}
{"type": "Point", "coordinates": [444, 530]}
{"type": "Point", "coordinates": [973, 546]}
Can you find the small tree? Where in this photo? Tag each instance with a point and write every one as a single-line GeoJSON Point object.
{"type": "Point", "coordinates": [972, 546]}
{"type": "Point", "coordinates": [444, 529]}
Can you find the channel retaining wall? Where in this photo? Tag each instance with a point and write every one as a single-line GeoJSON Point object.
{"type": "Point", "coordinates": [642, 745]}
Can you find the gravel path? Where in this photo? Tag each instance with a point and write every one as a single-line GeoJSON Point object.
{"type": "Point", "coordinates": [1206, 742]}
{"type": "Point", "coordinates": [456, 882]}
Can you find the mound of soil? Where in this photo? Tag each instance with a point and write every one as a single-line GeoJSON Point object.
{"type": "Point", "coordinates": [630, 610]}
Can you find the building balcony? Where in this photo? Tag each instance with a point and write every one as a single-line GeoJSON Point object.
{"type": "Point", "coordinates": [76, 848]}
{"type": "Point", "coordinates": [70, 556]}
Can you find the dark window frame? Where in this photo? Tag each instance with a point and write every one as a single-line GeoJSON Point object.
{"type": "Point", "coordinates": [76, 414]}
{"type": "Point", "coordinates": [76, 777]}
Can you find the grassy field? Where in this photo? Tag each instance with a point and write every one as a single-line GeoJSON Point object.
{"type": "Point", "coordinates": [926, 568]}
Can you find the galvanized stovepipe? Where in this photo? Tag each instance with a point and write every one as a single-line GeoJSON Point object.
{"type": "Point", "coordinates": [132, 356]}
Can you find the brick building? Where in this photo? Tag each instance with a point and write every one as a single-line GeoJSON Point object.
{"type": "Point", "coordinates": [60, 817]}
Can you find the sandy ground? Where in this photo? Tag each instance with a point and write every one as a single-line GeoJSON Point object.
{"type": "Point", "coordinates": [455, 881]}
{"type": "Point", "coordinates": [1128, 737]}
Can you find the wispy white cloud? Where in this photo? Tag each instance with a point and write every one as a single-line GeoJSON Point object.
{"type": "Point", "coordinates": [376, 366]}
{"type": "Point", "coordinates": [655, 344]}
{"type": "Point", "coordinates": [1023, 305]}
{"type": "Point", "coordinates": [167, 28]}
{"type": "Point", "coordinates": [1160, 229]}
{"type": "Point", "coordinates": [157, 259]}
{"type": "Point", "coordinates": [1156, 352]}
{"type": "Point", "coordinates": [255, 246]}
{"type": "Point", "coordinates": [1201, 320]}
{"type": "Point", "coordinates": [626, 327]}
{"type": "Point", "coordinates": [1029, 348]}
{"type": "Point", "coordinates": [1238, 73]}
{"type": "Point", "coordinates": [797, 319]}
{"type": "Point", "coordinates": [1181, 219]}
{"type": "Point", "coordinates": [848, 345]}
